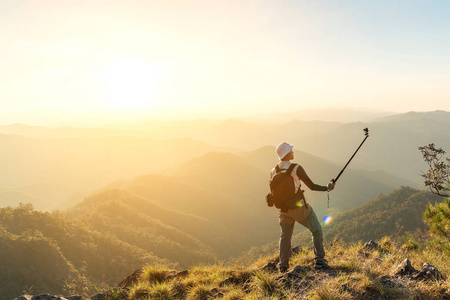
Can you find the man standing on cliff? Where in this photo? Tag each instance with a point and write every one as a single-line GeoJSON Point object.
{"type": "Point", "coordinates": [300, 211]}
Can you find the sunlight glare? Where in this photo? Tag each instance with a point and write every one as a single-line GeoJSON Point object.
{"type": "Point", "coordinates": [130, 84]}
{"type": "Point", "coordinates": [327, 220]}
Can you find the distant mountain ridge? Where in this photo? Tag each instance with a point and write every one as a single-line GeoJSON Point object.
{"type": "Point", "coordinates": [52, 170]}
{"type": "Point", "coordinates": [340, 115]}
{"type": "Point", "coordinates": [437, 115]}
{"type": "Point", "coordinates": [55, 164]}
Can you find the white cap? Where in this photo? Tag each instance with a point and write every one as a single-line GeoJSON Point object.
{"type": "Point", "coordinates": [283, 149]}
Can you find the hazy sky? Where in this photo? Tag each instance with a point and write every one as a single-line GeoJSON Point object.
{"type": "Point", "coordinates": [122, 60]}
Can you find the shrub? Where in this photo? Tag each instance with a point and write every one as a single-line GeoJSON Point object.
{"type": "Point", "coordinates": [161, 291]}
{"type": "Point", "coordinates": [200, 292]}
{"type": "Point", "coordinates": [139, 290]}
{"type": "Point", "coordinates": [154, 273]}
{"type": "Point", "coordinates": [410, 244]}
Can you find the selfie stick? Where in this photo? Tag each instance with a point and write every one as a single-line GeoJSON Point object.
{"type": "Point", "coordinates": [366, 133]}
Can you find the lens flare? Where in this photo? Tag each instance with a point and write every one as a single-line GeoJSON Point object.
{"type": "Point", "coordinates": [327, 220]}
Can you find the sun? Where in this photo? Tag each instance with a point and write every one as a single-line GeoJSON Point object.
{"type": "Point", "coordinates": [130, 84]}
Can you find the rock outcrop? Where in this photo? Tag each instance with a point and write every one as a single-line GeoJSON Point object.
{"type": "Point", "coordinates": [371, 245]}
{"type": "Point", "coordinates": [428, 272]}
{"type": "Point", "coordinates": [404, 269]}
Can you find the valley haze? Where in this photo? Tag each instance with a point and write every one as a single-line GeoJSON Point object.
{"type": "Point", "coordinates": [55, 167]}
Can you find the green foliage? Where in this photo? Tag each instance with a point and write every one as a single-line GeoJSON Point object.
{"type": "Point", "coordinates": [438, 244]}
{"type": "Point", "coordinates": [34, 244]}
{"type": "Point", "coordinates": [137, 221]}
{"type": "Point", "coordinates": [410, 244]}
{"type": "Point", "coordinates": [438, 218]}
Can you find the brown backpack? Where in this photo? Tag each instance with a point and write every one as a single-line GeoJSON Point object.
{"type": "Point", "coordinates": [282, 190]}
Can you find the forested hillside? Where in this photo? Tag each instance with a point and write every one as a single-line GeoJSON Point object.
{"type": "Point", "coordinates": [43, 252]}
{"type": "Point", "coordinates": [178, 237]}
{"type": "Point", "coordinates": [394, 214]}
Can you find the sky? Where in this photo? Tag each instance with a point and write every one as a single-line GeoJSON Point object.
{"type": "Point", "coordinates": [107, 60]}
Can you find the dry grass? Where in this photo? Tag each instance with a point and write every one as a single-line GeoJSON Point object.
{"type": "Point", "coordinates": [139, 290]}
{"type": "Point", "coordinates": [156, 273]}
{"type": "Point", "coordinates": [266, 284]}
{"type": "Point", "coordinates": [356, 273]}
{"type": "Point", "coordinates": [200, 292]}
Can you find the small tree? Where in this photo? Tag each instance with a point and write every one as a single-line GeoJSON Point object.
{"type": "Point", "coordinates": [438, 218]}
{"type": "Point", "coordinates": [437, 179]}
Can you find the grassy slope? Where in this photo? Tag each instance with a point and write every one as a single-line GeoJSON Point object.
{"type": "Point", "coordinates": [356, 273]}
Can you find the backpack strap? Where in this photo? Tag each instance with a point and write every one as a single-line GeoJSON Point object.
{"type": "Point", "coordinates": [290, 169]}
{"type": "Point", "coordinates": [277, 169]}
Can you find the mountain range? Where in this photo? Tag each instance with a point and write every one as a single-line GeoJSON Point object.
{"type": "Point", "coordinates": [196, 196]}
{"type": "Point", "coordinates": [56, 167]}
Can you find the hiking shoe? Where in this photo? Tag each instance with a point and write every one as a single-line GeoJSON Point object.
{"type": "Point", "coordinates": [283, 269]}
{"type": "Point", "coordinates": [322, 264]}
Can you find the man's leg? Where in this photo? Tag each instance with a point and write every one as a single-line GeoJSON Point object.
{"type": "Point", "coordinates": [287, 228]}
{"type": "Point", "coordinates": [312, 223]}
